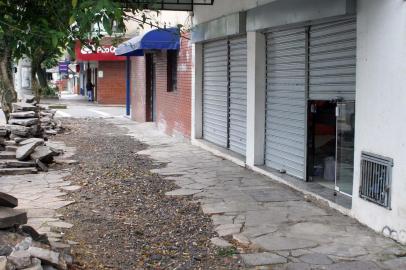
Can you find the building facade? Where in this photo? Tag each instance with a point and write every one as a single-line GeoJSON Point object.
{"type": "Point", "coordinates": [104, 70]}
{"type": "Point", "coordinates": [308, 92]}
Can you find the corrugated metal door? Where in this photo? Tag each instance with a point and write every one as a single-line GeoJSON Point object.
{"type": "Point", "coordinates": [238, 95]}
{"type": "Point", "coordinates": [215, 92]}
{"type": "Point", "coordinates": [286, 101]}
{"type": "Point", "coordinates": [332, 60]}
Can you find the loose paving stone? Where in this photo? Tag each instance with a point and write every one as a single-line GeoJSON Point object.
{"type": "Point", "coordinates": [10, 217]}
{"type": "Point", "coordinates": [7, 155]}
{"type": "Point", "coordinates": [24, 122]}
{"type": "Point", "coordinates": [220, 242]}
{"type": "Point", "coordinates": [241, 239]}
{"type": "Point", "coordinates": [22, 106]}
{"type": "Point", "coordinates": [60, 224]}
{"type": "Point", "coordinates": [43, 153]}
{"type": "Point", "coordinates": [31, 140]}
{"type": "Point", "coordinates": [28, 114]}
{"type": "Point", "coordinates": [35, 265]}
{"type": "Point", "coordinates": [19, 130]}
{"type": "Point", "coordinates": [25, 151]}
{"type": "Point", "coordinates": [182, 192]}
{"type": "Point", "coordinates": [7, 200]}
{"type": "Point", "coordinates": [3, 263]}
{"type": "Point", "coordinates": [20, 259]}
{"type": "Point", "coordinates": [71, 188]}
{"type": "Point", "coordinates": [316, 259]}
{"type": "Point", "coordinates": [48, 256]}
{"type": "Point", "coordinates": [265, 258]}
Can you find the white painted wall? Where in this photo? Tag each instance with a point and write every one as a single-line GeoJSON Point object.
{"type": "Point", "coordinates": [381, 106]}
{"type": "Point", "coordinates": [224, 7]}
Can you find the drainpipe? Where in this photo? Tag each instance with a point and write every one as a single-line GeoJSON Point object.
{"type": "Point", "coordinates": [128, 84]}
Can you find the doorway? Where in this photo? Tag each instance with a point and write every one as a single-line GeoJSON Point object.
{"type": "Point", "coordinates": [330, 144]}
{"type": "Point", "coordinates": [150, 88]}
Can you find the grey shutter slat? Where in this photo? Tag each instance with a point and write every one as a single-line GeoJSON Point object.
{"type": "Point", "coordinates": [238, 95]}
{"type": "Point", "coordinates": [286, 100]}
{"type": "Point", "coordinates": [332, 60]}
{"type": "Point", "coordinates": [215, 65]}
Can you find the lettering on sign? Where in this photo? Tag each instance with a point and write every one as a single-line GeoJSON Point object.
{"type": "Point", "coordinates": [104, 49]}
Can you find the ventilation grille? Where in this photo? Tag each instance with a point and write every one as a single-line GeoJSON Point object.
{"type": "Point", "coordinates": [376, 178]}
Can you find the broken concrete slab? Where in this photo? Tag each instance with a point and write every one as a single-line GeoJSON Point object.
{"type": "Point", "coordinates": [3, 263]}
{"type": "Point", "coordinates": [31, 140]}
{"type": "Point", "coordinates": [41, 165]}
{"type": "Point", "coordinates": [241, 239]}
{"type": "Point", "coordinates": [20, 259]}
{"type": "Point", "coordinates": [23, 106]}
{"type": "Point", "coordinates": [29, 98]}
{"type": "Point", "coordinates": [7, 200]}
{"type": "Point", "coordinates": [28, 114]}
{"type": "Point", "coordinates": [26, 150]}
{"type": "Point", "coordinates": [35, 265]}
{"type": "Point", "coordinates": [265, 258]}
{"type": "Point", "coordinates": [354, 265]}
{"type": "Point", "coordinates": [43, 153]}
{"type": "Point", "coordinates": [48, 256]}
{"type": "Point", "coordinates": [10, 217]}
{"type": "Point", "coordinates": [27, 122]}
{"type": "Point", "coordinates": [21, 131]}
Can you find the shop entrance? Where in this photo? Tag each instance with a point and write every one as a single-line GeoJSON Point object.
{"type": "Point", "coordinates": [150, 88]}
{"type": "Point", "coordinates": [330, 144]}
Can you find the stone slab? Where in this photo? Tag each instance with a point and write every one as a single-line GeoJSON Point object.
{"type": "Point", "coordinates": [316, 258]}
{"type": "Point", "coordinates": [220, 242]}
{"type": "Point", "coordinates": [22, 106]}
{"type": "Point", "coordinates": [19, 115]}
{"type": "Point", "coordinates": [31, 140]}
{"type": "Point", "coordinates": [7, 200]}
{"type": "Point", "coordinates": [24, 121]}
{"type": "Point", "coordinates": [273, 243]}
{"type": "Point", "coordinates": [26, 150]}
{"type": "Point", "coordinates": [43, 153]}
{"type": "Point", "coordinates": [10, 217]}
{"type": "Point", "coordinates": [264, 258]}
{"type": "Point", "coordinates": [18, 171]}
{"type": "Point", "coordinates": [182, 192]}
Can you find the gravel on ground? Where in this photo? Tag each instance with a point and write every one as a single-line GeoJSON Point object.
{"type": "Point", "coordinates": [122, 218]}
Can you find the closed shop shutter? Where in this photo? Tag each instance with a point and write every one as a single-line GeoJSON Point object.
{"type": "Point", "coordinates": [286, 101]}
{"type": "Point", "coordinates": [215, 92]}
{"type": "Point", "coordinates": [238, 95]}
{"type": "Point", "coordinates": [332, 60]}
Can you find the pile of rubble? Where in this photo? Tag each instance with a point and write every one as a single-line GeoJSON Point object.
{"type": "Point", "coordinates": [21, 247]}
{"type": "Point", "coordinates": [23, 146]}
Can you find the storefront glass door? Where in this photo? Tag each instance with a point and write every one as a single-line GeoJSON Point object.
{"type": "Point", "coordinates": [345, 146]}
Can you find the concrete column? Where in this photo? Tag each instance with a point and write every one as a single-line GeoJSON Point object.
{"type": "Point", "coordinates": [256, 79]}
{"type": "Point", "coordinates": [197, 91]}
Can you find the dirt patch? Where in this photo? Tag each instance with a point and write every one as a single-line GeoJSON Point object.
{"type": "Point", "coordinates": [122, 218]}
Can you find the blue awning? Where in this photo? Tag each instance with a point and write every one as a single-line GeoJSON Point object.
{"type": "Point", "coordinates": [157, 39]}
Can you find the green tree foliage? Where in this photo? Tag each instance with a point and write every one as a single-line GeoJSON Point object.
{"type": "Point", "coordinates": [42, 29]}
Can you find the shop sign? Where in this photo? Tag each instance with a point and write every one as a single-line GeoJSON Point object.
{"type": "Point", "coordinates": [99, 53]}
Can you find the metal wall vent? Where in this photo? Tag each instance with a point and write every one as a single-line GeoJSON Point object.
{"type": "Point", "coordinates": [376, 178]}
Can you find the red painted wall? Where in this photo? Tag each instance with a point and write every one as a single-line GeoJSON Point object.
{"type": "Point", "coordinates": [111, 88]}
{"type": "Point", "coordinates": [173, 108]}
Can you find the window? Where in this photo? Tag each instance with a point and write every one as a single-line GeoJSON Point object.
{"type": "Point", "coordinates": [172, 70]}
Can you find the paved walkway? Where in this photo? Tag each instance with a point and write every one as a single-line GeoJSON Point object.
{"type": "Point", "coordinates": [41, 195]}
{"type": "Point", "coordinates": [275, 224]}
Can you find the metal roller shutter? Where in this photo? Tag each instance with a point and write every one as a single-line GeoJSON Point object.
{"type": "Point", "coordinates": [286, 101]}
{"type": "Point", "coordinates": [215, 92]}
{"type": "Point", "coordinates": [238, 95]}
{"type": "Point", "coordinates": [332, 60]}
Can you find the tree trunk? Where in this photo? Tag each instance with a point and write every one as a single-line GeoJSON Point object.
{"type": "Point", "coordinates": [7, 91]}
{"type": "Point", "coordinates": [42, 78]}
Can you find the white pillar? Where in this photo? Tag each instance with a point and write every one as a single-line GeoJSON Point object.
{"type": "Point", "coordinates": [256, 78]}
{"type": "Point", "coordinates": [197, 92]}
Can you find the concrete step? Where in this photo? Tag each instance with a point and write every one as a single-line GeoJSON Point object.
{"type": "Point", "coordinates": [7, 155]}
{"type": "Point", "coordinates": [18, 171]}
{"type": "Point", "coordinates": [14, 163]}
{"type": "Point", "coordinates": [11, 148]}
